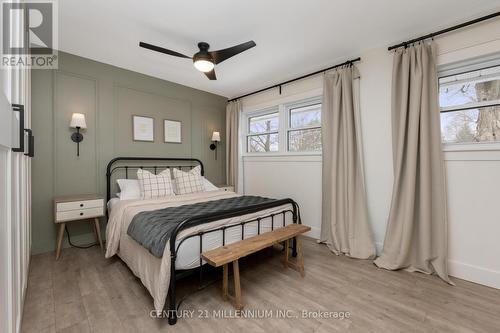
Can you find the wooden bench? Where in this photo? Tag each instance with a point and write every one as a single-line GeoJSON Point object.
{"type": "Point", "coordinates": [224, 255]}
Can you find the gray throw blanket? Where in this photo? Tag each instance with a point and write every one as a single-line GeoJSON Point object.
{"type": "Point", "coordinates": [153, 229]}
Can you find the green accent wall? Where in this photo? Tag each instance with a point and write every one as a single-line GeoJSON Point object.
{"type": "Point", "coordinates": [108, 96]}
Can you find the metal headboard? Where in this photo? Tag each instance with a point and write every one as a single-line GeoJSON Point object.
{"type": "Point", "coordinates": [154, 164]}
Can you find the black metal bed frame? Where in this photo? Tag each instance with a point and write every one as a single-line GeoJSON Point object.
{"type": "Point", "coordinates": [195, 220]}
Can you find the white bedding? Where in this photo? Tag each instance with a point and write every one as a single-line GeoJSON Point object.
{"type": "Point", "coordinates": [155, 272]}
{"type": "Point", "coordinates": [111, 204]}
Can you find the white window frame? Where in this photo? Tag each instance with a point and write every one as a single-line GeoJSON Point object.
{"type": "Point", "coordinates": [295, 105]}
{"type": "Point", "coordinates": [266, 111]}
{"type": "Point", "coordinates": [464, 67]}
{"type": "Point", "coordinates": [283, 128]}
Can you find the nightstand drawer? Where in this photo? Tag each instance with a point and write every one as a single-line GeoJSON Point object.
{"type": "Point", "coordinates": [79, 214]}
{"type": "Point", "coordinates": [76, 205]}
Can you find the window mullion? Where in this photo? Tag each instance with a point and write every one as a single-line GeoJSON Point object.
{"type": "Point", "coordinates": [470, 106]}
{"type": "Point", "coordinates": [282, 129]}
{"type": "Point", "coordinates": [303, 128]}
{"type": "Point", "coordinates": [262, 133]}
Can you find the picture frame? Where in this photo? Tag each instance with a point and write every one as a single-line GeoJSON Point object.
{"type": "Point", "coordinates": [172, 131]}
{"type": "Point", "coordinates": [143, 128]}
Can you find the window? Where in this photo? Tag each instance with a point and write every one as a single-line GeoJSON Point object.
{"type": "Point", "coordinates": [304, 131]}
{"type": "Point", "coordinates": [285, 128]}
{"type": "Point", "coordinates": [470, 106]}
{"type": "Point", "coordinates": [263, 135]}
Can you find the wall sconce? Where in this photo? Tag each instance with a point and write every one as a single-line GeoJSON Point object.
{"type": "Point", "coordinates": [215, 141]}
{"type": "Point", "coordinates": [78, 122]}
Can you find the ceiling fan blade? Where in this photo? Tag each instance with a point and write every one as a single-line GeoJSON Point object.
{"type": "Point", "coordinates": [211, 75]}
{"type": "Point", "coordinates": [221, 55]}
{"type": "Point", "coordinates": [162, 50]}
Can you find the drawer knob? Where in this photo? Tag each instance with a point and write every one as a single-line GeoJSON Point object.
{"type": "Point", "coordinates": [81, 213]}
{"type": "Point", "coordinates": [81, 205]}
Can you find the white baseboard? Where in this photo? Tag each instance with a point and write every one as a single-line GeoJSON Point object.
{"type": "Point", "coordinates": [314, 233]}
{"type": "Point", "coordinates": [474, 274]}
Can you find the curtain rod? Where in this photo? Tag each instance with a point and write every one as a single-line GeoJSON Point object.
{"type": "Point", "coordinates": [440, 32]}
{"type": "Point", "coordinates": [348, 62]}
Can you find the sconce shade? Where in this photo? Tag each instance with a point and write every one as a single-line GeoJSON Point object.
{"type": "Point", "coordinates": [216, 136]}
{"type": "Point", "coordinates": [78, 120]}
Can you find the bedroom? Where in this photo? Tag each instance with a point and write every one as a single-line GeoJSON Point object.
{"type": "Point", "coordinates": [316, 166]}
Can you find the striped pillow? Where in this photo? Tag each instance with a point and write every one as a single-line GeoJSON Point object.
{"type": "Point", "coordinates": [155, 186]}
{"type": "Point", "coordinates": [188, 182]}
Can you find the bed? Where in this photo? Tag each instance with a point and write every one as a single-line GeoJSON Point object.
{"type": "Point", "coordinates": [192, 236]}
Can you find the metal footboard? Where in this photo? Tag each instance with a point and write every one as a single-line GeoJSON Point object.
{"type": "Point", "coordinates": [172, 303]}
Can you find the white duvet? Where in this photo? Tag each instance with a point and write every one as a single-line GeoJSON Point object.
{"type": "Point", "coordinates": [155, 272]}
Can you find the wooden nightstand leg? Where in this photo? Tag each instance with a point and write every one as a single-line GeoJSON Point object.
{"type": "Point", "coordinates": [98, 232]}
{"type": "Point", "coordinates": [60, 236]}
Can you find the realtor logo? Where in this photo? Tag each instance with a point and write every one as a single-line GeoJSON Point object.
{"type": "Point", "coordinates": [29, 37]}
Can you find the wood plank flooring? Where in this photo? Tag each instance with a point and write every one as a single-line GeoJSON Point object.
{"type": "Point", "coordinates": [83, 292]}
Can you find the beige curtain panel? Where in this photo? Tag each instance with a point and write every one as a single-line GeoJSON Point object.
{"type": "Point", "coordinates": [416, 235]}
{"type": "Point", "coordinates": [345, 228]}
{"type": "Point", "coordinates": [233, 111]}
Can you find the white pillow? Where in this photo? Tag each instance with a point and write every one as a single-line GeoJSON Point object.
{"type": "Point", "coordinates": [188, 182]}
{"type": "Point", "coordinates": [155, 186]}
{"type": "Point", "coordinates": [208, 185]}
{"type": "Point", "coordinates": [129, 189]}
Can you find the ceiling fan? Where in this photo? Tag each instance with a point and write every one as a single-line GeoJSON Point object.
{"type": "Point", "coordinates": [205, 60]}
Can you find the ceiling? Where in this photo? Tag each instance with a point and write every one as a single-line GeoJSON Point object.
{"type": "Point", "coordinates": [293, 37]}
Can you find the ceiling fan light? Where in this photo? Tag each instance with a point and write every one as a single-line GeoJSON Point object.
{"type": "Point", "coordinates": [204, 65]}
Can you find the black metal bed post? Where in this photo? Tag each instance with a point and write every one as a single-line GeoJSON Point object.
{"type": "Point", "coordinates": [172, 306]}
{"type": "Point", "coordinates": [295, 220]}
{"type": "Point", "coordinates": [172, 311]}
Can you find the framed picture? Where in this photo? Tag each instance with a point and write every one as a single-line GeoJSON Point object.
{"type": "Point", "coordinates": [143, 128]}
{"type": "Point", "coordinates": [172, 130]}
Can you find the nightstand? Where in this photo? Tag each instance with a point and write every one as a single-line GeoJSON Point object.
{"type": "Point", "coordinates": [227, 188]}
{"type": "Point", "coordinates": [77, 208]}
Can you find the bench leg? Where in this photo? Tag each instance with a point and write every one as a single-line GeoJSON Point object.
{"type": "Point", "coordinates": [286, 254]}
{"type": "Point", "coordinates": [300, 257]}
{"type": "Point", "coordinates": [236, 299]}
{"type": "Point", "coordinates": [225, 291]}
{"type": "Point", "coordinates": [237, 285]}
{"type": "Point", "coordinates": [298, 265]}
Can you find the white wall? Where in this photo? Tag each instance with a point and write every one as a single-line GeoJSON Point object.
{"type": "Point", "coordinates": [297, 177]}
{"type": "Point", "coordinates": [473, 177]}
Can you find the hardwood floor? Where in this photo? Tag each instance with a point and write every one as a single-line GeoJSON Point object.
{"type": "Point", "coordinates": [83, 292]}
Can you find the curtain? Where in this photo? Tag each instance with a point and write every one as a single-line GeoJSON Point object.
{"type": "Point", "coordinates": [416, 235]}
{"type": "Point", "coordinates": [344, 228]}
{"type": "Point", "coordinates": [233, 111]}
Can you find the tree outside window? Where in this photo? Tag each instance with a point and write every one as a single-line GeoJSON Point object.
{"type": "Point", "coordinates": [470, 106]}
